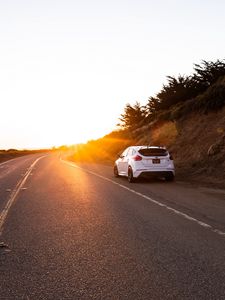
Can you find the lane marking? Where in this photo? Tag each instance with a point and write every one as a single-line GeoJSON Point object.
{"type": "Point", "coordinates": [175, 211]}
{"type": "Point", "coordinates": [7, 161]}
{"type": "Point", "coordinates": [15, 193]}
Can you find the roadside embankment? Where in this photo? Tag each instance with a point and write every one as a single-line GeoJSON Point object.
{"type": "Point", "coordinates": [197, 143]}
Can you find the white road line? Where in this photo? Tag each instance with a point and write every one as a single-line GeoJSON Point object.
{"type": "Point", "coordinates": [175, 211]}
{"type": "Point", "coordinates": [7, 161]}
{"type": "Point", "coordinates": [15, 193]}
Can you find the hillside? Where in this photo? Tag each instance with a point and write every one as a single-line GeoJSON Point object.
{"type": "Point", "coordinates": [187, 116]}
{"type": "Point", "coordinates": [197, 143]}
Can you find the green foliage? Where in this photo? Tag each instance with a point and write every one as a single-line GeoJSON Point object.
{"type": "Point", "coordinates": [132, 116]}
{"type": "Point", "coordinates": [177, 90]}
{"type": "Point", "coordinates": [201, 91]}
{"type": "Point", "coordinates": [152, 107]}
{"type": "Point", "coordinates": [213, 99]}
{"type": "Point", "coordinates": [208, 73]}
{"type": "Point", "coordinates": [184, 88]}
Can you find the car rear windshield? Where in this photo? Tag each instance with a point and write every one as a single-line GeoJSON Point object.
{"type": "Point", "coordinates": [153, 152]}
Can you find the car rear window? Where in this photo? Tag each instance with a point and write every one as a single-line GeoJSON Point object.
{"type": "Point", "coordinates": [153, 152]}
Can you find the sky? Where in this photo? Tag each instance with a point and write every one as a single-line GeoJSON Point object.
{"type": "Point", "coordinates": [69, 67]}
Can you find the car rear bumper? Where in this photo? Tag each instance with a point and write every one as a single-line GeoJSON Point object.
{"type": "Point", "coordinates": [149, 173]}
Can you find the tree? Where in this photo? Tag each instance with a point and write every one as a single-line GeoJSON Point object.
{"type": "Point", "coordinates": [132, 116]}
{"type": "Point", "coordinates": [151, 107]}
{"type": "Point", "coordinates": [176, 90]}
{"type": "Point", "coordinates": [208, 73]}
{"type": "Point", "coordinates": [184, 88]}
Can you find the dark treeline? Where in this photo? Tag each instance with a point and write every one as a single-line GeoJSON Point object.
{"type": "Point", "coordinates": [13, 153]}
{"type": "Point", "coordinates": [204, 91]}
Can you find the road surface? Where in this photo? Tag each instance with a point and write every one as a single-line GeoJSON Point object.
{"type": "Point", "coordinates": [75, 232]}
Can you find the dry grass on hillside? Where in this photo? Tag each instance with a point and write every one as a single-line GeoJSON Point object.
{"type": "Point", "coordinates": [163, 134]}
{"type": "Point", "coordinates": [104, 150]}
{"type": "Point", "coordinates": [197, 144]}
{"type": "Point", "coordinates": [197, 135]}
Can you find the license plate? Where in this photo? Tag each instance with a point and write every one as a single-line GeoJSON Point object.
{"type": "Point", "coordinates": [156, 161]}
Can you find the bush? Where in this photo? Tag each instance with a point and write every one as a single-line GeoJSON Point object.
{"type": "Point", "coordinates": [213, 99]}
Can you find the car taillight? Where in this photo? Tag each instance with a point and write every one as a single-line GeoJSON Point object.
{"type": "Point", "coordinates": [137, 158]}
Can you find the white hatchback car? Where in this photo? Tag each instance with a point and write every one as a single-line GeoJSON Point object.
{"type": "Point", "coordinates": [145, 161]}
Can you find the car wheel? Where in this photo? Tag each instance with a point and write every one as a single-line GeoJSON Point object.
{"type": "Point", "coordinates": [115, 171]}
{"type": "Point", "coordinates": [169, 177]}
{"type": "Point", "coordinates": [130, 175]}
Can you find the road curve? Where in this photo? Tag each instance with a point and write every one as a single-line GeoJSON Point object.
{"type": "Point", "coordinates": [75, 232]}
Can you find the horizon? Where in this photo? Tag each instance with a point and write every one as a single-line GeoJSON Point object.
{"type": "Point", "coordinates": [68, 69]}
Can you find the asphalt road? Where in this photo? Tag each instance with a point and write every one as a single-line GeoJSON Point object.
{"type": "Point", "coordinates": [76, 232]}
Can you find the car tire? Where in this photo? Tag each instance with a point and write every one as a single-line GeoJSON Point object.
{"type": "Point", "coordinates": [169, 177]}
{"type": "Point", "coordinates": [130, 176]}
{"type": "Point", "coordinates": [115, 171]}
